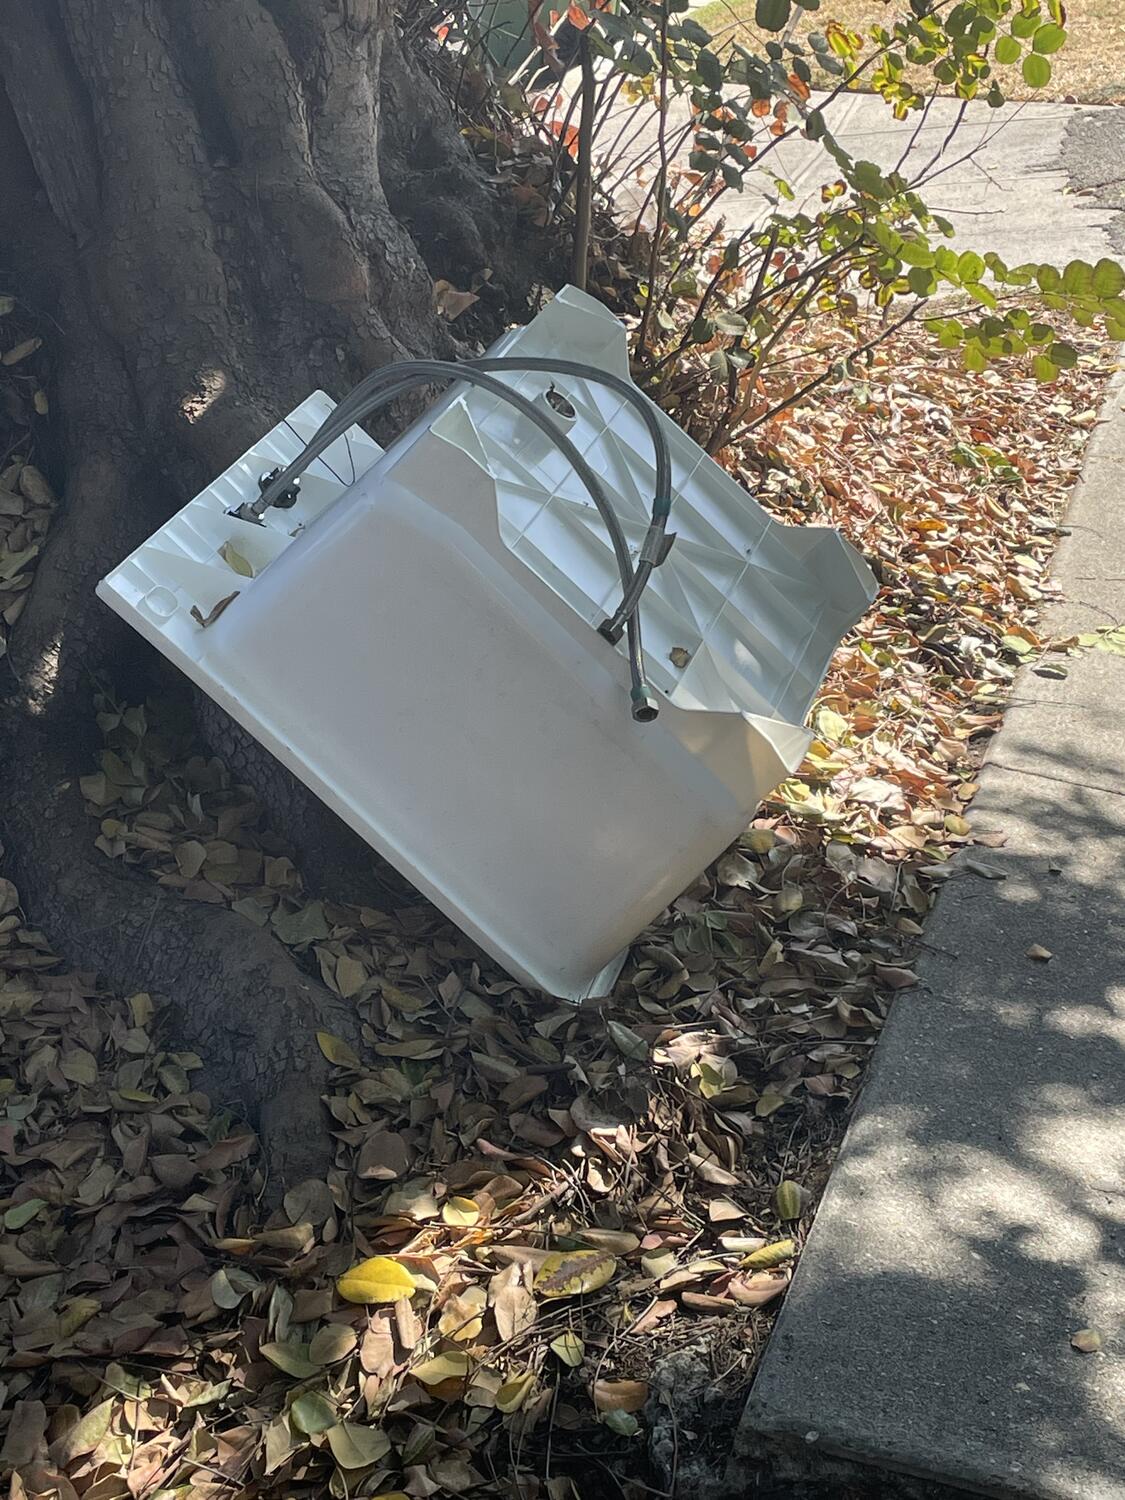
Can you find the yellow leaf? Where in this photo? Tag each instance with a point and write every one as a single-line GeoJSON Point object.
{"type": "Point", "coordinates": [234, 559]}
{"type": "Point", "coordinates": [770, 1255]}
{"type": "Point", "coordinates": [142, 1008]}
{"type": "Point", "coordinates": [76, 1312]}
{"type": "Point", "coordinates": [759, 840]}
{"type": "Point", "coordinates": [461, 1317]}
{"type": "Point", "coordinates": [514, 1392]}
{"type": "Point", "coordinates": [351, 976]}
{"type": "Point", "coordinates": [379, 1279]}
{"type": "Point", "coordinates": [336, 1050]}
{"type": "Point", "coordinates": [570, 1273]}
{"type": "Point", "coordinates": [21, 351]}
{"type": "Point", "coordinates": [569, 1348]}
{"type": "Point", "coordinates": [789, 1200]}
{"type": "Point", "coordinates": [450, 1366]}
{"type": "Point", "coordinates": [830, 725]}
{"type": "Point", "coordinates": [460, 1211]}
{"type": "Point", "coordinates": [1086, 1340]}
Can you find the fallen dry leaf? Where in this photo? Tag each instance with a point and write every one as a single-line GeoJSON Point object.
{"type": "Point", "coordinates": [378, 1279]}
{"type": "Point", "coordinates": [572, 1273]}
{"type": "Point", "coordinates": [620, 1395]}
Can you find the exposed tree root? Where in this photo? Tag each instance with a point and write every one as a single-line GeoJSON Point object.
{"type": "Point", "coordinates": [240, 1000]}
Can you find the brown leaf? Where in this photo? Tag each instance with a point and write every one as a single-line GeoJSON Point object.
{"type": "Point", "coordinates": [203, 620]}
{"type": "Point", "coordinates": [513, 1306]}
{"type": "Point", "coordinates": [462, 1316]}
{"type": "Point", "coordinates": [620, 1395]}
{"type": "Point", "coordinates": [26, 1427]}
{"type": "Point", "coordinates": [703, 1302]}
{"type": "Point", "coordinates": [451, 303]}
{"type": "Point", "coordinates": [758, 1289]}
{"type": "Point", "coordinates": [383, 1156]}
{"type": "Point", "coordinates": [1086, 1340]}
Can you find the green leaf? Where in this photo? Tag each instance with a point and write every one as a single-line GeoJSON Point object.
{"type": "Point", "coordinates": [313, 1413]}
{"type": "Point", "coordinates": [1108, 279]}
{"type": "Point", "coordinates": [730, 322]}
{"type": "Point", "coordinates": [915, 252]}
{"type": "Point", "coordinates": [1043, 369]}
{"type": "Point", "coordinates": [980, 293]}
{"type": "Point", "coordinates": [354, 1447]}
{"type": "Point", "coordinates": [772, 15]}
{"type": "Point", "coordinates": [291, 1357]}
{"type": "Point", "coordinates": [1049, 279]}
{"type": "Point", "coordinates": [970, 266]}
{"type": "Point", "coordinates": [974, 358]}
{"type": "Point", "coordinates": [303, 926]}
{"type": "Point", "coordinates": [1049, 38]}
{"type": "Point", "coordinates": [1063, 355]}
{"type": "Point", "coordinates": [710, 69]}
{"type": "Point", "coordinates": [1036, 71]}
{"type": "Point", "coordinates": [230, 1284]}
{"type": "Point", "coordinates": [627, 1041]}
{"type": "Point", "coordinates": [1078, 279]}
{"type": "Point", "coordinates": [23, 1213]}
{"type": "Point", "coordinates": [624, 1423]}
{"type": "Point", "coordinates": [1007, 50]}
{"type": "Point", "coordinates": [868, 178]}
{"type": "Point", "coordinates": [692, 31]}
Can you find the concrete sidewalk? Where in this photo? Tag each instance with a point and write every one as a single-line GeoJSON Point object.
{"type": "Point", "coordinates": [1030, 180]}
{"type": "Point", "coordinates": [976, 1216]}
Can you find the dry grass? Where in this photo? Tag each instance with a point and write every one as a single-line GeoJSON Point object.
{"type": "Point", "coordinates": [1089, 69]}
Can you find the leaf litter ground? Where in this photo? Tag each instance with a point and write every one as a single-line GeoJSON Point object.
{"type": "Point", "coordinates": [531, 1206]}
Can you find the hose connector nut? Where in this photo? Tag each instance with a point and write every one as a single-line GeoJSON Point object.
{"type": "Point", "coordinates": [644, 705]}
{"type": "Point", "coordinates": [288, 497]}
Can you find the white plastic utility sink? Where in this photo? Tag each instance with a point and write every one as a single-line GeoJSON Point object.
{"type": "Point", "coordinates": [418, 644]}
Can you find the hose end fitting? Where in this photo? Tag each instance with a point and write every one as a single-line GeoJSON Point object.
{"type": "Point", "coordinates": [644, 705]}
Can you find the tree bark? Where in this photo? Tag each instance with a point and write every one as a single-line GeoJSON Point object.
{"type": "Point", "coordinates": [196, 198]}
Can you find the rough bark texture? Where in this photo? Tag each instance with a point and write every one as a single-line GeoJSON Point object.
{"type": "Point", "coordinates": [195, 196]}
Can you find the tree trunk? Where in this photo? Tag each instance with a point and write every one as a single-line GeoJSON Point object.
{"type": "Point", "coordinates": [195, 197]}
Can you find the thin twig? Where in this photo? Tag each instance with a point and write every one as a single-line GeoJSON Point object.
{"type": "Point", "coordinates": [583, 186]}
{"type": "Point", "coordinates": [661, 188]}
